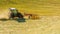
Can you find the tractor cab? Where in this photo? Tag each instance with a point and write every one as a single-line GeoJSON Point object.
{"type": "Point", "coordinates": [14, 13]}
{"type": "Point", "coordinates": [14, 10]}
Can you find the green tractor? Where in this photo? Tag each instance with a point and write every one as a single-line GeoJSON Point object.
{"type": "Point", "coordinates": [14, 13]}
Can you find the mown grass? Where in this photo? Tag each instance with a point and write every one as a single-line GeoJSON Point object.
{"type": "Point", "coordinates": [46, 25]}
{"type": "Point", "coordinates": [41, 7]}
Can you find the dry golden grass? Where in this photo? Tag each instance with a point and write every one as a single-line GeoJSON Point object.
{"type": "Point", "coordinates": [49, 10]}
{"type": "Point", "coordinates": [45, 25]}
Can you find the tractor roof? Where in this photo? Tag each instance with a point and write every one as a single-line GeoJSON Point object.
{"type": "Point", "coordinates": [12, 8]}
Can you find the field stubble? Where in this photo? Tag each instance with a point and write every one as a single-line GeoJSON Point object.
{"type": "Point", "coordinates": [45, 25]}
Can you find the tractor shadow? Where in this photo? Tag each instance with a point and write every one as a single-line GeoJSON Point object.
{"type": "Point", "coordinates": [18, 20]}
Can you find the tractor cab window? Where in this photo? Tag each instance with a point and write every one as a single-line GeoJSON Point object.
{"type": "Point", "coordinates": [14, 11]}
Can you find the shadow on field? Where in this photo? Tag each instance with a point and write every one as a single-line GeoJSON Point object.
{"type": "Point", "coordinates": [18, 20]}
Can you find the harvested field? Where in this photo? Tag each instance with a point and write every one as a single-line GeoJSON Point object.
{"type": "Point", "coordinates": [49, 22]}
{"type": "Point", "coordinates": [46, 25]}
